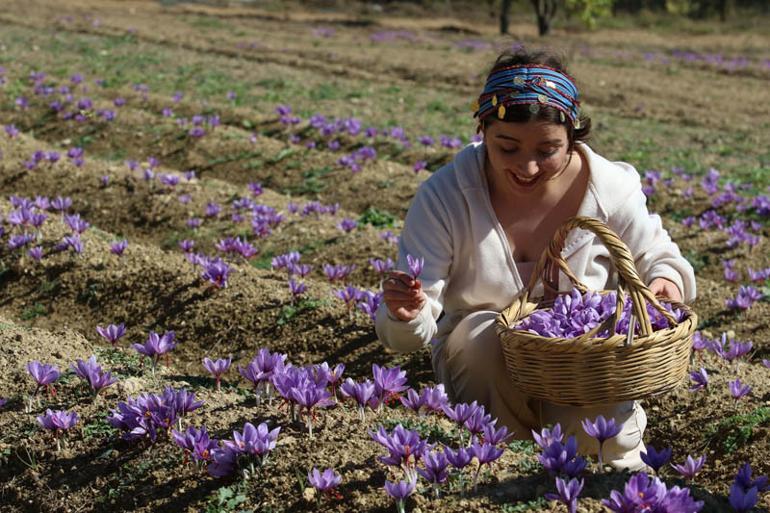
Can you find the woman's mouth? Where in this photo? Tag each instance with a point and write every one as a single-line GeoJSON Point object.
{"type": "Point", "coordinates": [526, 183]}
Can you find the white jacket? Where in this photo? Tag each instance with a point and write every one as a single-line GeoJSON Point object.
{"type": "Point", "coordinates": [468, 266]}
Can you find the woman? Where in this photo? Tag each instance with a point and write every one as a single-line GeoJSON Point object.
{"type": "Point", "coordinates": [481, 223]}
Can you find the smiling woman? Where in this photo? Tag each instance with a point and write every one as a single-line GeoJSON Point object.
{"type": "Point", "coordinates": [480, 222]}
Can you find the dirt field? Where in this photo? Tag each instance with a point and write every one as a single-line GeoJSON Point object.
{"type": "Point", "coordinates": [667, 100]}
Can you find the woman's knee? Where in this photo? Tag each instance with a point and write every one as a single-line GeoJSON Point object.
{"type": "Point", "coordinates": [474, 340]}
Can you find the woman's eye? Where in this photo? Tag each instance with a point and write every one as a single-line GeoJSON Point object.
{"type": "Point", "coordinates": [512, 150]}
{"type": "Point", "coordinates": [549, 153]}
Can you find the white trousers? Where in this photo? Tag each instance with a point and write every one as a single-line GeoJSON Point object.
{"type": "Point", "coordinates": [471, 366]}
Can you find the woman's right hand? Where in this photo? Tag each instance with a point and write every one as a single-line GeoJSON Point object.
{"type": "Point", "coordinates": [403, 295]}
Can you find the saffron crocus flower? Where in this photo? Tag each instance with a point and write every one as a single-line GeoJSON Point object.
{"type": "Point", "coordinates": [415, 265]}
{"type": "Point", "coordinates": [44, 375]}
{"type": "Point", "coordinates": [493, 435]}
{"type": "Point", "coordinates": [745, 480]}
{"type": "Point", "coordinates": [478, 421]}
{"type": "Point", "coordinates": [92, 373]}
{"type": "Point", "coordinates": [58, 421]}
{"type": "Point", "coordinates": [216, 272]}
{"type": "Point", "coordinates": [738, 390]}
{"type": "Point", "coordinates": [412, 400]}
{"type": "Point", "coordinates": [742, 500]}
{"type": "Point", "coordinates": [297, 289]}
{"type": "Point", "coordinates": [690, 467]}
{"type": "Point", "coordinates": [568, 493]}
{"type": "Point", "coordinates": [112, 333]}
{"type": "Point", "coordinates": [548, 436]}
{"type": "Point", "coordinates": [434, 398]}
{"type": "Point", "coordinates": [36, 253]}
{"type": "Point", "coordinates": [156, 345]}
{"type": "Point", "coordinates": [602, 430]}
{"type": "Point", "coordinates": [656, 459]}
{"type": "Point", "coordinates": [347, 225]}
{"type": "Point", "coordinates": [700, 380]}
{"type": "Point", "coordinates": [460, 412]}
{"type": "Point", "coordinates": [362, 393]}
{"type": "Point", "coordinates": [117, 248]}
{"type": "Point", "coordinates": [195, 442]}
{"type": "Point", "coordinates": [746, 297]}
{"type": "Point", "coordinates": [435, 470]}
{"type": "Point", "coordinates": [325, 481]}
{"type": "Point", "coordinates": [400, 491]}
{"type": "Point", "coordinates": [381, 266]}
{"type": "Point", "coordinates": [217, 368]}
{"type": "Point", "coordinates": [257, 441]}
{"type": "Point", "coordinates": [404, 446]}
{"type": "Point", "coordinates": [643, 493]}
{"type": "Point", "coordinates": [459, 458]}
{"type": "Point", "coordinates": [388, 382]}
{"type": "Point", "coordinates": [766, 363]}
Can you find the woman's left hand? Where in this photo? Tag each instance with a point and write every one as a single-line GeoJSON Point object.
{"type": "Point", "coordinates": [665, 288]}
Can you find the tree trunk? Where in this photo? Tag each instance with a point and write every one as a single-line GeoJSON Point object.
{"type": "Point", "coordinates": [505, 11]}
{"type": "Point", "coordinates": [545, 11]}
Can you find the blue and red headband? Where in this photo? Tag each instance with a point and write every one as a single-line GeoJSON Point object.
{"type": "Point", "coordinates": [532, 85]}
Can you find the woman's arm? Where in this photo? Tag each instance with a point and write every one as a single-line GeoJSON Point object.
{"type": "Point", "coordinates": [426, 234]}
{"type": "Point", "coordinates": [657, 257]}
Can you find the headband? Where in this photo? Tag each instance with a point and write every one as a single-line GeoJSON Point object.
{"type": "Point", "coordinates": [532, 85]}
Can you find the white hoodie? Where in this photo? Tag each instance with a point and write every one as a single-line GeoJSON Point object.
{"type": "Point", "coordinates": [469, 266]}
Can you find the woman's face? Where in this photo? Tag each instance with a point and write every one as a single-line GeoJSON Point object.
{"type": "Point", "coordinates": [524, 156]}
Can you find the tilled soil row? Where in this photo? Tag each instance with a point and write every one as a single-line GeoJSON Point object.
{"type": "Point", "coordinates": [232, 154]}
{"type": "Point", "coordinates": [152, 213]}
{"type": "Point", "coordinates": [149, 289]}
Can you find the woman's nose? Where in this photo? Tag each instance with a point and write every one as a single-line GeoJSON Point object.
{"type": "Point", "coordinates": [527, 168]}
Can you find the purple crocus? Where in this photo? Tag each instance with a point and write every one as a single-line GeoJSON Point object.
{"type": "Point", "coordinates": [196, 443]}
{"type": "Point", "coordinates": [117, 248]}
{"type": "Point", "coordinates": [44, 375]}
{"type": "Point", "coordinates": [297, 289]}
{"type": "Point", "coordinates": [690, 467]}
{"type": "Point", "coordinates": [92, 373]}
{"type": "Point", "coordinates": [485, 454]}
{"type": "Point", "coordinates": [643, 493]}
{"type": "Point", "coordinates": [347, 225]}
{"type": "Point", "coordinates": [216, 272]}
{"type": "Point", "coordinates": [401, 490]}
{"type": "Point", "coordinates": [700, 380]}
{"type": "Point", "coordinates": [112, 333]}
{"type": "Point", "coordinates": [415, 265]}
{"type": "Point", "coordinates": [362, 393]}
{"type": "Point", "coordinates": [459, 458]}
{"type": "Point", "coordinates": [325, 481]}
{"type": "Point", "coordinates": [568, 493]}
{"type": "Point", "coordinates": [388, 382]}
{"type": "Point", "coordinates": [656, 459]}
{"type": "Point", "coordinates": [746, 297]}
{"type": "Point", "coordinates": [381, 266]}
{"type": "Point", "coordinates": [738, 390]}
{"type": "Point", "coordinates": [602, 430]}
{"type": "Point", "coordinates": [156, 345]}
{"type": "Point", "coordinates": [217, 368]}
{"type": "Point", "coordinates": [412, 400]}
{"type": "Point", "coordinates": [58, 421]}
{"type": "Point", "coordinates": [435, 470]}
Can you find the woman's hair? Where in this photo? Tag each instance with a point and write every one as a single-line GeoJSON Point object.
{"type": "Point", "coordinates": [522, 113]}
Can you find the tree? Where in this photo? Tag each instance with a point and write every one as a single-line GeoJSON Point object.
{"type": "Point", "coordinates": [545, 10]}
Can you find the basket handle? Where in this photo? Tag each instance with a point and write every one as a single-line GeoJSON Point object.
{"type": "Point", "coordinates": [551, 262]}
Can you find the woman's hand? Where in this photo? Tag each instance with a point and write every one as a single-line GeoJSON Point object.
{"type": "Point", "coordinates": [665, 288]}
{"type": "Point", "coordinates": [403, 295]}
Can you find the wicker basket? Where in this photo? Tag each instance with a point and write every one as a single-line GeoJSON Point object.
{"type": "Point", "coordinates": [587, 370]}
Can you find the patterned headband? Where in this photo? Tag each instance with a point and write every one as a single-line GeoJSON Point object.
{"type": "Point", "coordinates": [532, 85]}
